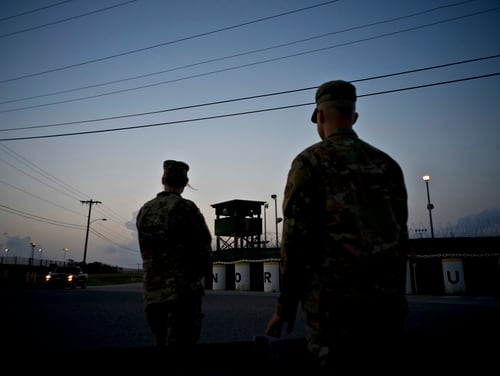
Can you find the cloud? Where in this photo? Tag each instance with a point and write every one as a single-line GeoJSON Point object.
{"type": "Point", "coordinates": [19, 246]}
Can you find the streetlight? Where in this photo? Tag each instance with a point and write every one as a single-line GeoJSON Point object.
{"type": "Point", "coordinates": [427, 178]}
{"type": "Point", "coordinates": [266, 205]}
{"type": "Point", "coordinates": [40, 252]}
{"type": "Point", "coordinates": [33, 245]}
{"type": "Point", "coordinates": [277, 220]}
{"type": "Point", "coordinates": [87, 238]}
{"type": "Point", "coordinates": [65, 250]}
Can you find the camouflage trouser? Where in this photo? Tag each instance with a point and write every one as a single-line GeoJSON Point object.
{"type": "Point", "coordinates": [176, 324]}
{"type": "Point", "coordinates": [354, 340]}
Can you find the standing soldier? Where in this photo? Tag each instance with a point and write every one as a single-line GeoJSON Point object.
{"type": "Point", "coordinates": [343, 253]}
{"type": "Point", "coordinates": [175, 245]}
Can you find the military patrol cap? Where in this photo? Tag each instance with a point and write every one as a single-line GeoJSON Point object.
{"type": "Point", "coordinates": [337, 90]}
{"type": "Point", "coordinates": [175, 173]}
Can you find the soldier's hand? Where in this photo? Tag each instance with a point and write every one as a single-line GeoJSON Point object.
{"type": "Point", "coordinates": [274, 326]}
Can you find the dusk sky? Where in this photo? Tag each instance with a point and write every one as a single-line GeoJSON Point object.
{"type": "Point", "coordinates": [95, 95]}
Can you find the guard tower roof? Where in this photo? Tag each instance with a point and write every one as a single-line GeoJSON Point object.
{"type": "Point", "coordinates": [238, 208]}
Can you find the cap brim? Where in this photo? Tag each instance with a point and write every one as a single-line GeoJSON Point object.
{"type": "Point", "coordinates": [314, 114]}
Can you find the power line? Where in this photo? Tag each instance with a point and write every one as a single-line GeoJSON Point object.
{"type": "Point", "coordinates": [73, 226]}
{"type": "Point", "coordinates": [34, 10]}
{"type": "Point", "coordinates": [248, 97]}
{"type": "Point", "coordinates": [35, 178]}
{"type": "Point", "coordinates": [165, 43]}
{"type": "Point", "coordinates": [104, 237]}
{"type": "Point", "coordinates": [36, 217]}
{"type": "Point", "coordinates": [40, 219]}
{"type": "Point", "coordinates": [42, 172]}
{"type": "Point", "coordinates": [52, 178]}
{"type": "Point", "coordinates": [64, 20]}
{"type": "Point", "coordinates": [239, 54]}
{"type": "Point", "coordinates": [74, 193]}
{"type": "Point", "coordinates": [253, 63]}
{"type": "Point", "coordinates": [108, 212]}
{"type": "Point", "coordinates": [38, 197]}
{"type": "Point", "coordinates": [244, 112]}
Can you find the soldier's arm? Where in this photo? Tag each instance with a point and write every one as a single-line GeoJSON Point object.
{"type": "Point", "coordinates": [297, 236]}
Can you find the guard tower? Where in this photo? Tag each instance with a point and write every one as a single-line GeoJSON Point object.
{"type": "Point", "coordinates": [238, 224]}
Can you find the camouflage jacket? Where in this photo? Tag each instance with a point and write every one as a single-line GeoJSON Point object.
{"type": "Point", "coordinates": [175, 245]}
{"type": "Point", "coordinates": [345, 226]}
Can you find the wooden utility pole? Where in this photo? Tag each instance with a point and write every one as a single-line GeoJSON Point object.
{"type": "Point", "coordinates": [90, 203]}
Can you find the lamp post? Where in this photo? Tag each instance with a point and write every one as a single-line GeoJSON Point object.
{"type": "Point", "coordinates": [33, 245]}
{"type": "Point", "coordinates": [430, 206]}
{"type": "Point", "coordinates": [65, 250]}
{"type": "Point", "coordinates": [277, 220]}
{"type": "Point", "coordinates": [266, 205]}
{"type": "Point", "coordinates": [87, 237]}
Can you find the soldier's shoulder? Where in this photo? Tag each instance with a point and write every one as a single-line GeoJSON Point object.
{"type": "Point", "coordinates": [309, 153]}
{"type": "Point", "coordinates": [185, 204]}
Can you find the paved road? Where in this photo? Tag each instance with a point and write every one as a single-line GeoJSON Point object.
{"type": "Point", "coordinates": [106, 325]}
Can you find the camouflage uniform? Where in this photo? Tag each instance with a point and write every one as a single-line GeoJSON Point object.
{"type": "Point", "coordinates": [343, 253]}
{"type": "Point", "coordinates": [175, 245]}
